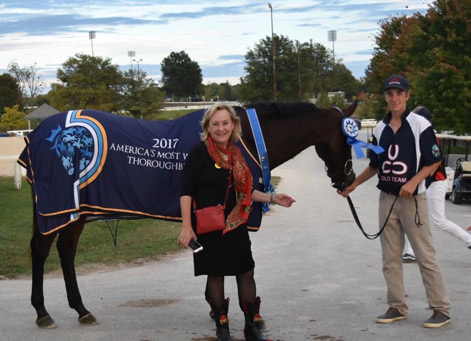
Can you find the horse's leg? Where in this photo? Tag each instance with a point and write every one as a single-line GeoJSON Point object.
{"type": "Point", "coordinates": [67, 247]}
{"type": "Point", "coordinates": [40, 247]}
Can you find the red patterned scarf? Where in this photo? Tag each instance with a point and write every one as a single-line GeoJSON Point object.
{"type": "Point", "coordinates": [242, 180]}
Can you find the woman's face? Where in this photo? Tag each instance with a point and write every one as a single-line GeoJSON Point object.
{"type": "Point", "coordinates": [221, 127]}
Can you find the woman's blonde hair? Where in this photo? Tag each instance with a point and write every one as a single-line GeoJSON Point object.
{"type": "Point", "coordinates": [234, 118]}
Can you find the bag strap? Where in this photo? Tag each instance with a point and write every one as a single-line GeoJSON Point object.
{"type": "Point", "coordinates": [227, 192]}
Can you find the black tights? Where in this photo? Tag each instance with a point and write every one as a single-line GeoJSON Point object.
{"type": "Point", "coordinates": [245, 286]}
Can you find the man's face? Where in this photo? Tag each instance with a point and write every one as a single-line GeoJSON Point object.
{"type": "Point", "coordinates": [396, 99]}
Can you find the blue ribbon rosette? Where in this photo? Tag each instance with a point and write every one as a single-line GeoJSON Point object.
{"type": "Point", "coordinates": [350, 130]}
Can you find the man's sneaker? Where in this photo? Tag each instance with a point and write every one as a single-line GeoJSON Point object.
{"type": "Point", "coordinates": [391, 315]}
{"type": "Point", "coordinates": [437, 320]}
{"type": "Point", "coordinates": [408, 258]}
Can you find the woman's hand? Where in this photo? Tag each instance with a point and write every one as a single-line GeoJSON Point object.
{"type": "Point", "coordinates": [186, 235]}
{"type": "Point", "coordinates": [282, 199]}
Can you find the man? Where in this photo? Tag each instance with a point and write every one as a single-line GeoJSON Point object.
{"type": "Point", "coordinates": [411, 155]}
{"type": "Point", "coordinates": [436, 202]}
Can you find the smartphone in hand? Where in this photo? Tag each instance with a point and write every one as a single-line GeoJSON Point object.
{"type": "Point", "coordinates": [195, 246]}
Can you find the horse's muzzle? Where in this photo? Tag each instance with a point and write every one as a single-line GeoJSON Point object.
{"type": "Point", "coordinates": [347, 180]}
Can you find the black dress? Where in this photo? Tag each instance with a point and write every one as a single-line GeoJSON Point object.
{"type": "Point", "coordinates": [222, 255]}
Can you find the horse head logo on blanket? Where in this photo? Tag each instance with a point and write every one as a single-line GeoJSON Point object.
{"type": "Point", "coordinates": [68, 143]}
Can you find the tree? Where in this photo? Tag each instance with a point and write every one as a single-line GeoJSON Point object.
{"type": "Point", "coordinates": [218, 92]}
{"type": "Point", "coordinates": [28, 78]}
{"type": "Point", "coordinates": [320, 63]}
{"type": "Point", "coordinates": [87, 82]}
{"type": "Point", "coordinates": [434, 53]}
{"type": "Point", "coordinates": [442, 74]}
{"type": "Point", "coordinates": [10, 93]}
{"type": "Point", "coordinates": [140, 95]}
{"type": "Point", "coordinates": [13, 119]}
{"type": "Point", "coordinates": [303, 71]}
{"type": "Point", "coordinates": [181, 77]}
{"type": "Point", "coordinates": [325, 101]}
{"type": "Point", "coordinates": [339, 78]}
{"type": "Point", "coordinates": [258, 85]}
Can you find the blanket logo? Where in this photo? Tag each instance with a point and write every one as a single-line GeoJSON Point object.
{"type": "Point", "coordinates": [71, 143]}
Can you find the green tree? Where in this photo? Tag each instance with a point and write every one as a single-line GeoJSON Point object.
{"type": "Point", "coordinates": [141, 97]}
{"type": "Point", "coordinates": [258, 84]}
{"type": "Point", "coordinates": [325, 101]}
{"type": "Point", "coordinates": [434, 53]}
{"type": "Point", "coordinates": [10, 93]}
{"type": "Point", "coordinates": [181, 77]}
{"type": "Point", "coordinates": [212, 92]}
{"type": "Point", "coordinates": [303, 71]}
{"type": "Point", "coordinates": [320, 63]}
{"type": "Point", "coordinates": [13, 119]}
{"type": "Point", "coordinates": [341, 79]}
{"type": "Point", "coordinates": [87, 82]}
{"type": "Point", "coordinates": [442, 74]}
{"type": "Point", "coordinates": [219, 92]}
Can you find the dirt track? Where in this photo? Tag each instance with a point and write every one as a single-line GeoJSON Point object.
{"type": "Point", "coordinates": [318, 277]}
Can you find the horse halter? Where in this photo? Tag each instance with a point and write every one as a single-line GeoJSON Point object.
{"type": "Point", "coordinates": [349, 129]}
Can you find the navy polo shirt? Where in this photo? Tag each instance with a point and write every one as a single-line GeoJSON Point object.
{"type": "Point", "coordinates": [412, 147]}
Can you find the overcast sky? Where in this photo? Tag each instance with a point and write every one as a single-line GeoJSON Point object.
{"type": "Point", "coordinates": [216, 34]}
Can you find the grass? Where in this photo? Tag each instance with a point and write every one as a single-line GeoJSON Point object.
{"type": "Point", "coordinates": [172, 114]}
{"type": "Point", "coordinates": [137, 239]}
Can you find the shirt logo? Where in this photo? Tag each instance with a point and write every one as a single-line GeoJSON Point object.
{"type": "Point", "coordinates": [393, 166]}
{"type": "Point", "coordinates": [435, 150]}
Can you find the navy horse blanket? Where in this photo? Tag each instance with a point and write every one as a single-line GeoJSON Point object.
{"type": "Point", "coordinates": [102, 165]}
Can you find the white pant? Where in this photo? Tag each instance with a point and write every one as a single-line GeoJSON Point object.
{"type": "Point", "coordinates": [436, 212]}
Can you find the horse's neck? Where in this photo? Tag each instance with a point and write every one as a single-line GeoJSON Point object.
{"type": "Point", "coordinates": [287, 141]}
{"type": "Point", "coordinates": [284, 140]}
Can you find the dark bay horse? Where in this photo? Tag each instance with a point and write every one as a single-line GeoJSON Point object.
{"type": "Point", "coordinates": [288, 129]}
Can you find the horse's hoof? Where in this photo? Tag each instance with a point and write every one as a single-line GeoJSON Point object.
{"type": "Point", "coordinates": [46, 322]}
{"type": "Point", "coordinates": [88, 319]}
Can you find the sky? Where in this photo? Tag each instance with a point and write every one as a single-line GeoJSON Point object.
{"type": "Point", "coordinates": [216, 34]}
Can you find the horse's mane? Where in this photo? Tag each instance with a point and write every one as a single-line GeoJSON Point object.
{"type": "Point", "coordinates": [282, 108]}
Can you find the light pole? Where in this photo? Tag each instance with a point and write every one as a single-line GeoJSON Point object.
{"type": "Point", "coordinates": [91, 36]}
{"type": "Point", "coordinates": [138, 70]}
{"type": "Point", "coordinates": [332, 35]}
{"type": "Point", "coordinates": [139, 85]}
{"type": "Point", "coordinates": [131, 54]}
{"type": "Point", "coordinates": [273, 53]}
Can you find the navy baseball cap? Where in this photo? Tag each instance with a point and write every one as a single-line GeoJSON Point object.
{"type": "Point", "coordinates": [396, 81]}
{"type": "Point", "coordinates": [423, 111]}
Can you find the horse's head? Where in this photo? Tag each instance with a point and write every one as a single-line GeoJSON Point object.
{"type": "Point", "coordinates": [335, 151]}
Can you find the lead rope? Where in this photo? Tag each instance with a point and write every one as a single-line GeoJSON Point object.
{"type": "Point", "coordinates": [417, 220]}
{"type": "Point", "coordinates": [357, 220]}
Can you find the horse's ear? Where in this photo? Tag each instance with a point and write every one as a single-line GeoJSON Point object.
{"type": "Point", "coordinates": [351, 109]}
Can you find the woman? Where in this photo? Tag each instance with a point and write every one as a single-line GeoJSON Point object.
{"type": "Point", "coordinates": [209, 167]}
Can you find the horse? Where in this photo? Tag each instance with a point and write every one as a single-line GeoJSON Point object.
{"type": "Point", "coordinates": [288, 129]}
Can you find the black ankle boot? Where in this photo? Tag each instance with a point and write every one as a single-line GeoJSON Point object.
{"type": "Point", "coordinates": [211, 312]}
{"type": "Point", "coordinates": [222, 323]}
{"type": "Point", "coordinates": [253, 321]}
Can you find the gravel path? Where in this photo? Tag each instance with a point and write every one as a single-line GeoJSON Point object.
{"type": "Point", "coordinates": [318, 277]}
